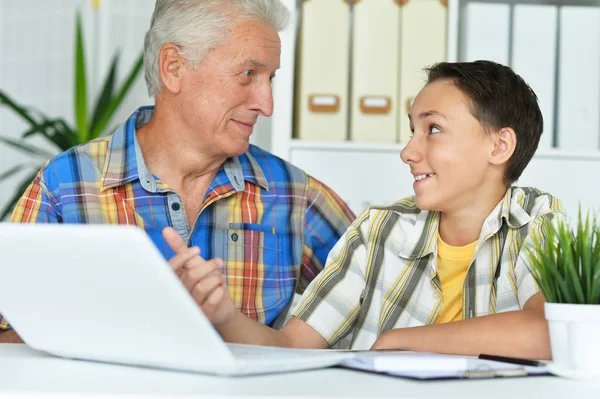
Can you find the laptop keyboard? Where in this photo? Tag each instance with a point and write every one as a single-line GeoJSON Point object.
{"type": "Point", "coordinates": [241, 351]}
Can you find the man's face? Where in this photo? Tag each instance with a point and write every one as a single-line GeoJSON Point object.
{"type": "Point", "coordinates": [222, 98]}
{"type": "Point", "coordinates": [449, 151]}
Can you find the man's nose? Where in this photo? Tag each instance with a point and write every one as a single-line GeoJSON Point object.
{"type": "Point", "coordinates": [262, 99]}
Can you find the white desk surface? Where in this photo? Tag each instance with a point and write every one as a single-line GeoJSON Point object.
{"type": "Point", "coordinates": [27, 373]}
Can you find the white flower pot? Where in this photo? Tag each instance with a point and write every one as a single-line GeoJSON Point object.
{"type": "Point", "coordinates": [574, 334]}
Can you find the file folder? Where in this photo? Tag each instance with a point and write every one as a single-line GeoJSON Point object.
{"type": "Point", "coordinates": [486, 34]}
{"type": "Point", "coordinates": [375, 70]}
{"type": "Point", "coordinates": [579, 79]}
{"type": "Point", "coordinates": [323, 71]}
{"type": "Point", "coordinates": [535, 27]}
{"type": "Point", "coordinates": [423, 43]}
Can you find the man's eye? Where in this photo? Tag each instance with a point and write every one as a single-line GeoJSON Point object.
{"type": "Point", "coordinates": [249, 72]}
{"type": "Point", "coordinates": [434, 129]}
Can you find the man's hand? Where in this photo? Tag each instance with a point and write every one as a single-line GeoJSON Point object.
{"type": "Point", "coordinates": [202, 278]}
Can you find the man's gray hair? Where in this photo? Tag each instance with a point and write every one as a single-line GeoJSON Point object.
{"type": "Point", "coordinates": [196, 26]}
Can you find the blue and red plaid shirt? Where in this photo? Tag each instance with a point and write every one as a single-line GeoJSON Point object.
{"type": "Point", "coordinates": [271, 223]}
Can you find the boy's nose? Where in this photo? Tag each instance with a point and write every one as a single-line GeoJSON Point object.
{"type": "Point", "coordinates": [412, 152]}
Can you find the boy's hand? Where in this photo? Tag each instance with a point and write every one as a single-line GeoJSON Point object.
{"type": "Point", "coordinates": [203, 279]}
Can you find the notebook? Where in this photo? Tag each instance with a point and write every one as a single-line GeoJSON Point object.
{"type": "Point", "coordinates": [432, 366]}
{"type": "Point", "coordinates": [105, 293]}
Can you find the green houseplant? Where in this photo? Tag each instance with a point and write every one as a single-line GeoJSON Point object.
{"type": "Point", "coordinates": [566, 266]}
{"type": "Point", "coordinates": [56, 131]}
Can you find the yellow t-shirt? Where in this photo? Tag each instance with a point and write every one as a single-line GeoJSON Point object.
{"type": "Point", "coordinates": [452, 266]}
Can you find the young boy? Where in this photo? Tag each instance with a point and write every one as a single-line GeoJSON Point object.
{"type": "Point", "coordinates": [443, 271]}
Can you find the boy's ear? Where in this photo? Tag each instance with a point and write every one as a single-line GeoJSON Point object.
{"type": "Point", "coordinates": [170, 67]}
{"type": "Point", "coordinates": [505, 142]}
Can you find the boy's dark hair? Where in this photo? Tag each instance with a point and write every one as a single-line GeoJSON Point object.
{"type": "Point", "coordinates": [500, 98]}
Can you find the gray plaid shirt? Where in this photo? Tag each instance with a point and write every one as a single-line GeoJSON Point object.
{"type": "Point", "coordinates": [382, 274]}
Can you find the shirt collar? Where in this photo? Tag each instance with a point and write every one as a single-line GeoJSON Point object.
{"type": "Point", "coordinates": [122, 164]}
{"type": "Point", "coordinates": [125, 162]}
{"type": "Point", "coordinates": [509, 210]}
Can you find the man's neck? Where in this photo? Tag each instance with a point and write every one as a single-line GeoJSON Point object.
{"type": "Point", "coordinates": [170, 154]}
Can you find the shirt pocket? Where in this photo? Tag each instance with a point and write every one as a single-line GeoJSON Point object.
{"type": "Point", "coordinates": [260, 272]}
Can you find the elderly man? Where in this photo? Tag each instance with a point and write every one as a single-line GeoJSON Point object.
{"type": "Point", "coordinates": [184, 170]}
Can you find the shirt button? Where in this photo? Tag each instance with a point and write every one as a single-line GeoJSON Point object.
{"type": "Point", "coordinates": [234, 237]}
{"type": "Point", "coordinates": [175, 206]}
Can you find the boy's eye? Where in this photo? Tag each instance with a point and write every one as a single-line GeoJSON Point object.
{"type": "Point", "coordinates": [434, 129]}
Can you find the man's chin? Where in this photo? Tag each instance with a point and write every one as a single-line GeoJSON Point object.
{"type": "Point", "coordinates": [241, 147]}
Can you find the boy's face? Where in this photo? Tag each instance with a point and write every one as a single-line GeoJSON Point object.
{"type": "Point", "coordinates": [449, 151]}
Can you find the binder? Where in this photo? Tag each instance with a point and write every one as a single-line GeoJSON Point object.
{"type": "Point", "coordinates": [422, 43]}
{"type": "Point", "coordinates": [535, 27]}
{"type": "Point", "coordinates": [486, 34]}
{"type": "Point", "coordinates": [579, 79]}
{"type": "Point", "coordinates": [323, 71]}
{"type": "Point", "coordinates": [375, 70]}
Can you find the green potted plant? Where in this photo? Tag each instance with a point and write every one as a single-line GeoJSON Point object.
{"type": "Point", "coordinates": [56, 131]}
{"type": "Point", "coordinates": [566, 266]}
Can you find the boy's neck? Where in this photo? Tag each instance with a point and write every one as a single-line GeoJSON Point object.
{"type": "Point", "coordinates": [463, 226]}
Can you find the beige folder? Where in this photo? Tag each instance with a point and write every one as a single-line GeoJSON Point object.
{"type": "Point", "coordinates": [323, 71]}
{"type": "Point", "coordinates": [375, 45]}
{"type": "Point", "coordinates": [422, 43]}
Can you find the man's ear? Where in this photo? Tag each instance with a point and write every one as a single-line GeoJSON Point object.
{"type": "Point", "coordinates": [170, 67]}
{"type": "Point", "coordinates": [505, 142]}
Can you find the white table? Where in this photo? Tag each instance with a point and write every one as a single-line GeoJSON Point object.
{"type": "Point", "coordinates": [28, 373]}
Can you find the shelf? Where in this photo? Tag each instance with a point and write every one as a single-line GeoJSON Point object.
{"type": "Point", "coordinates": [345, 146]}
{"type": "Point", "coordinates": [383, 148]}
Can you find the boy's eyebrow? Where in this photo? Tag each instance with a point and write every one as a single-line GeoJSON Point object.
{"type": "Point", "coordinates": [425, 114]}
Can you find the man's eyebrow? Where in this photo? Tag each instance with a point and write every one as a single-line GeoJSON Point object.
{"type": "Point", "coordinates": [254, 62]}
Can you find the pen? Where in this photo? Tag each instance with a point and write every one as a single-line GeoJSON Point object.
{"type": "Point", "coordinates": [513, 360]}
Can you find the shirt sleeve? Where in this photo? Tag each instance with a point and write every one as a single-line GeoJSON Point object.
{"type": "Point", "coordinates": [327, 218]}
{"type": "Point", "coordinates": [331, 303]}
{"type": "Point", "coordinates": [34, 206]}
{"type": "Point", "coordinates": [526, 284]}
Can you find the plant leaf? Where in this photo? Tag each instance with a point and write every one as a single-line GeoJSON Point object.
{"type": "Point", "coordinates": [594, 298]}
{"type": "Point", "coordinates": [51, 131]}
{"type": "Point", "coordinates": [10, 205]}
{"type": "Point", "coordinates": [570, 261]}
{"type": "Point", "coordinates": [106, 94]}
{"type": "Point", "coordinates": [70, 135]}
{"type": "Point", "coordinates": [26, 147]}
{"type": "Point", "coordinates": [538, 272]}
{"type": "Point", "coordinates": [81, 119]}
{"type": "Point", "coordinates": [19, 110]}
{"type": "Point", "coordinates": [116, 101]}
{"type": "Point", "coordinates": [15, 169]}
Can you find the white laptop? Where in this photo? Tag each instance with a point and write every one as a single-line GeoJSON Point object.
{"type": "Point", "coordinates": [105, 293]}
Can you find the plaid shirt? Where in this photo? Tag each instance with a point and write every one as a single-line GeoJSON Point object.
{"type": "Point", "coordinates": [382, 274]}
{"type": "Point", "coordinates": [272, 224]}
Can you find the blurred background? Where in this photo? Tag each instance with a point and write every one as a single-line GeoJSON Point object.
{"type": "Point", "coordinates": [349, 73]}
